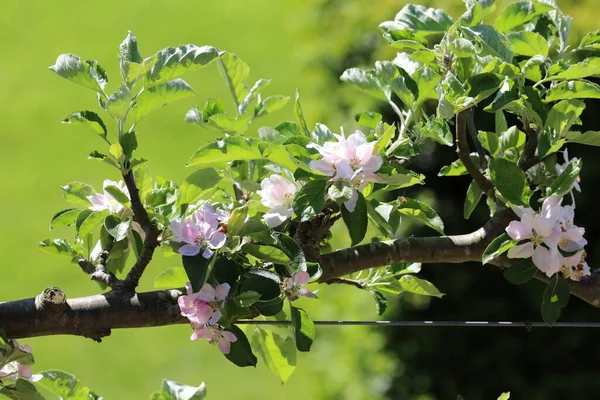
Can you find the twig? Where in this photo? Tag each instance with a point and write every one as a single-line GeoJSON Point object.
{"type": "Point", "coordinates": [462, 148]}
{"type": "Point", "coordinates": [344, 281]}
{"type": "Point", "coordinates": [139, 212]}
{"type": "Point", "coordinates": [100, 274]}
{"type": "Point", "coordinates": [528, 159]}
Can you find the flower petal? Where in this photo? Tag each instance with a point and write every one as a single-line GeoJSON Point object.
{"type": "Point", "coordinates": [222, 291]}
{"type": "Point", "coordinates": [307, 293]}
{"type": "Point", "coordinates": [189, 250]}
{"type": "Point", "coordinates": [301, 278]}
{"type": "Point", "coordinates": [517, 230]}
{"type": "Point", "coordinates": [215, 317]}
{"type": "Point", "coordinates": [224, 345]}
{"type": "Point", "coordinates": [524, 250]}
{"type": "Point", "coordinates": [277, 216]}
{"type": "Point", "coordinates": [217, 240]}
{"type": "Point", "coordinates": [324, 166]}
{"type": "Point", "coordinates": [351, 204]}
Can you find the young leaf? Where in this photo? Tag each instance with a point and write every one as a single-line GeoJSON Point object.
{"type": "Point", "coordinates": [310, 199]}
{"type": "Point", "coordinates": [235, 72]}
{"type": "Point", "coordinates": [117, 228]}
{"type": "Point", "coordinates": [22, 389]}
{"type": "Point", "coordinates": [510, 180]}
{"type": "Point", "coordinates": [528, 44]}
{"type": "Point", "coordinates": [270, 105]}
{"type": "Point", "coordinates": [266, 253]}
{"type": "Point", "coordinates": [356, 221]}
{"type": "Point", "coordinates": [237, 220]}
{"type": "Point", "coordinates": [492, 40]}
{"type": "Point", "coordinates": [88, 119]}
{"type": "Point", "coordinates": [86, 73]}
{"type": "Point", "coordinates": [421, 212]}
{"type": "Point", "coordinates": [590, 138]}
{"type": "Point", "coordinates": [380, 301]}
{"type": "Point", "coordinates": [172, 62]}
{"type": "Point", "coordinates": [517, 14]}
{"type": "Point", "coordinates": [581, 89]}
{"type": "Point", "coordinates": [117, 103]}
{"type": "Point", "coordinates": [366, 81]}
{"type": "Point", "coordinates": [78, 192]}
{"type": "Point", "coordinates": [65, 385]}
{"type": "Point", "coordinates": [253, 94]}
{"type": "Point", "coordinates": [220, 151]}
{"type": "Point", "coordinates": [564, 183]}
{"type": "Point", "coordinates": [498, 246]}
{"type": "Point", "coordinates": [64, 218]}
{"type": "Point", "coordinates": [412, 284]}
{"type": "Point", "coordinates": [90, 222]}
{"type": "Point", "coordinates": [128, 54]}
{"type": "Point", "coordinates": [521, 272]}
{"type": "Point", "coordinates": [159, 96]}
{"type": "Point", "coordinates": [171, 390]}
{"type": "Point", "coordinates": [278, 354]}
{"type": "Point", "coordinates": [300, 116]}
{"type": "Point", "coordinates": [368, 119]}
{"type": "Point", "coordinates": [304, 329]}
{"type": "Point", "coordinates": [420, 19]}
{"type": "Point", "coordinates": [58, 246]}
{"type": "Point", "coordinates": [199, 184]}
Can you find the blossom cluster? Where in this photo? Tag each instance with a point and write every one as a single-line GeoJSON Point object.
{"type": "Point", "coordinates": [202, 231]}
{"type": "Point", "coordinates": [203, 309]}
{"type": "Point", "coordinates": [292, 289]}
{"type": "Point", "coordinates": [15, 370]}
{"type": "Point", "coordinates": [550, 238]}
{"type": "Point", "coordinates": [349, 159]}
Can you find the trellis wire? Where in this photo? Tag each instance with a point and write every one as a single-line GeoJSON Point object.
{"type": "Point", "coordinates": [491, 324]}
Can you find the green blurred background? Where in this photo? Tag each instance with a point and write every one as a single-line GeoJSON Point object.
{"type": "Point", "coordinates": [298, 44]}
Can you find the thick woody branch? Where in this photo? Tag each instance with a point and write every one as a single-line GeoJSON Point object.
{"type": "Point", "coordinates": [462, 148]}
{"type": "Point", "coordinates": [93, 317]}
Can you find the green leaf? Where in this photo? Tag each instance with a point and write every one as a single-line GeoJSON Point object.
{"type": "Point", "coordinates": [510, 180]}
{"type": "Point", "coordinates": [143, 180]}
{"type": "Point", "coordinates": [128, 142]}
{"type": "Point", "coordinates": [78, 192]}
{"type": "Point", "coordinates": [506, 95]}
{"type": "Point", "coordinates": [88, 119]}
{"type": "Point", "coordinates": [462, 48]}
{"type": "Point", "coordinates": [270, 105]}
{"type": "Point", "coordinates": [591, 41]}
{"type": "Point", "coordinates": [95, 155]}
{"type": "Point", "coordinates": [310, 199]}
{"type": "Point", "coordinates": [199, 185]}
{"type": "Point", "coordinates": [477, 12]}
{"type": "Point", "coordinates": [248, 298]}
{"type": "Point", "coordinates": [399, 81]}
{"type": "Point", "coordinates": [482, 86]}
{"type": "Point", "coordinates": [489, 141]}
{"type": "Point", "coordinates": [278, 354]}
{"type": "Point", "coordinates": [117, 228]}
{"type": "Point", "coordinates": [564, 182]}
{"type": "Point", "coordinates": [528, 44]}
{"type": "Point", "coordinates": [173, 277]}
{"type": "Point", "coordinates": [159, 96]}
{"type": "Point", "coordinates": [196, 268]}
{"type": "Point", "coordinates": [472, 198]}
{"type": "Point", "coordinates": [118, 102]}
{"type": "Point", "coordinates": [304, 328]}
{"type": "Point", "coordinates": [385, 138]}
{"type": "Point", "coordinates": [493, 42]}
{"type": "Point", "coordinates": [420, 19]}
{"type": "Point", "coordinates": [292, 249]}
{"type": "Point", "coordinates": [555, 298]}
{"type": "Point", "coordinates": [86, 73]}
{"type": "Point", "coordinates": [437, 129]}
{"type": "Point", "coordinates": [357, 220]}
{"type": "Point", "coordinates": [128, 54]}
{"type": "Point", "coordinates": [300, 116]}
{"type": "Point", "coordinates": [64, 218]}
{"type": "Point", "coordinates": [171, 390]}
{"type": "Point", "coordinates": [504, 396]}
{"type": "Point", "coordinates": [562, 116]}
{"type": "Point", "coordinates": [369, 119]}
{"type": "Point", "coordinates": [581, 89]}
{"type": "Point", "coordinates": [590, 138]}
{"type": "Point", "coordinates": [252, 226]}
{"type": "Point", "coordinates": [172, 62]}
{"type": "Point", "coordinates": [253, 94]}
{"type": "Point", "coordinates": [241, 352]}
{"type": "Point", "coordinates": [21, 390]}
{"type": "Point", "coordinates": [89, 222]}
{"type": "Point", "coordinates": [366, 81]}
{"type": "Point", "coordinates": [266, 253]}
{"type": "Point", "coordinates": [412, 284]}
{"type": "Point", "coordinates": [220, 151]}
{"type": "Point", "coordinates": [421, 212]}
{"type": "Point", "coordinates": [521, 272]}
{"type": "Point", "coordinates": [236, 220]}
{"type": "Point", "coordinates": [65, 385]}
{"type": "Point", "coordinates": [380, 302]}
{"type": "Point", "coordinates": [519, 13]}
{"type": "Point", "coordinates": [235, 72]}
{"type": "Point", "coordinates": [498, 246]}
{"type": "Point", "coordinates": [58, 246]}
{"type": "Point", "coordinates": [584, 69]}
{"type": "Point", "coordinates": [118, 194]}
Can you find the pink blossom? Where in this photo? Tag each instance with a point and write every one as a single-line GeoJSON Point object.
{"type": "Point", "coordinates": [351, 159]}
{"type": "Point", "coordinates": [277, 193]}
{"type": "Point", "coordinates": [215, 335]}
{"type": "Point", "coordinates": [15, 370]}
{"type": "Point", "coordinates": [204, 306]}
{"type": "Point", "coordinates": [200, 232]}
{"type": "Point", "coordinates": [292, 289]}
{"type": "Point", "coordinates": [575, 266]}
{"type": "Point", "coordinates": [105, 201]}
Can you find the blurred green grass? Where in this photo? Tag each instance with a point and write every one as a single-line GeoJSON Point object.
{"type": "Point", "coordinates": [39, 154]}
